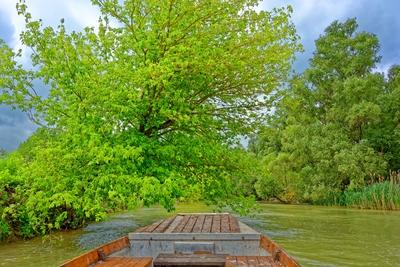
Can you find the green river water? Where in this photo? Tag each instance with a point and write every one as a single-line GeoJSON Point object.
{"type": "Point", "coordinates": [315, 236]}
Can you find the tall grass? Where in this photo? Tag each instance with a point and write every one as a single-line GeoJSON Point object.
{"type": "Point", "coordinates": [383, 195]}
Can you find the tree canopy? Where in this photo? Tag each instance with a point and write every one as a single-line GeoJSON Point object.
{"type": "Point", "coordinates": [336, 126]}
{"type": "Point", "coordinates": [144, 108]}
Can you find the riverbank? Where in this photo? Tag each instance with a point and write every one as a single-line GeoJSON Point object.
{"type": "Point", "coordinates": [378, 196]}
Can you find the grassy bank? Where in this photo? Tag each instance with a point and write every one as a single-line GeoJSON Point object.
{"type": "Point", "coordinates": [380, 196]}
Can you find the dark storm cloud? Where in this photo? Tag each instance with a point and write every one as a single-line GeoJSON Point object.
{"type": "Point", "coordinates": [311, 17]}
{"type": "Point", "coordinates": [15, 127]}
{"type": "Point", "coordinates": [382, 18]}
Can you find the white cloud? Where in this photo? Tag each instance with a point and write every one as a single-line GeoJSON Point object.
{"type": "Point", "coordinates": [83, 12]}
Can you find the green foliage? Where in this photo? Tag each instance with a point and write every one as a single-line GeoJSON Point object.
{"type": "Point", "coordinates": [145, 108]}
{"type": "Point", "coordinates": [335, 127]}
{"type": "Point", "coordinates": [382, 195]}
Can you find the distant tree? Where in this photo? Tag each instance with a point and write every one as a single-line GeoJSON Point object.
{"type": "Point", "coordinates": [322, 138]}
{"type": "Point", "coordinates": [3, 152]}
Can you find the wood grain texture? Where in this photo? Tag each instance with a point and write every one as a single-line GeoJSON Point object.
{"type": "Point", "coordinates": [252, 261]}
{"type": "Point", "coordinates": [94, 255]}
{"type": "Point", "coordinates": [163, 225]}
{"type": "Point", "coordinates": [225, 223]}
{"type": "Point", "coordinates": [190, 224]}
{"type": "Point", "coordinates": [233, 225]}
{"type": "Point", "coordinates": [216, 224]}
{"type": "Point", "coordinates": [199, 224]}
{"type": "Point", "coordinates": [125, 261]}
{"type": "Point", "coordinates": [190, 259]}
{"type": "Point", "coordinates": [181, 224]}
{"type": "Point", "coordinates": [278, 254]}
{"type": "Point", "coordinates": [230, 261]}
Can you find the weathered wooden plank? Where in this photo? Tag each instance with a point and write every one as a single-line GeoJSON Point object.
{"type": "Point", "coordinates": [216, 224]}
{"type": "Point", "coordinates": [230, 261]}
{"type": "Point", "coordinates": [114, 246]}
{"type": "Point", "coordinates": [193, 259]}
{"type": "Point", "coordinates": [152, 226]}
{"type": "Point", "coordinates": [233, 225]}
{"type": "Point", "coordinates": [174, 224]}
{"type": "Point", "coordinates": [207, 224]}
{"type": "Point", "coordinates": [116, 262]}
{"type": "Point", "coordinates": [96, 254]}
{"type": "Point", "coordinates": [83, 260]}
{"type": "Point", "coordinates": [265, 261]}
{"type": "Point", "coordinates": [181, 224]}
{"type": "Point", "coordinates": [164, 225]}
{"type": "Point", "coordinates": [252, 261]}
{"type": "Point", "coordinates": [190, 224]}
{"type": "Point", "coordinates": [125, 262]}
{"type": "Point", "coordinates": [278, 254]}
{"type": "Point", "coordinates": [144, 262]}
{"type": "Point", "coordinates": [225, 223]}
{"type": "Point", "coordinates": [241, 261]}
{"type": "Point", "coordinates": [199, 224]}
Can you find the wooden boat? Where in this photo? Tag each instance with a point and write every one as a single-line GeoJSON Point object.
{"type": "Point", "coordinates": [195, 239]}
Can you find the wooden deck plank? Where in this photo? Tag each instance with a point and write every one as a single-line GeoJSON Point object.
{"type": "Point", "coordinates": [181, 224]}
{"type": "Point", "coordinates": [199, 224]}
{"type": "Point", "coordinates": [190, 224]}
{"type": "Point", "coordinates": [147, 262]}
{"type": "Point", "coordinates": [174, 224]}
{"type": "Point", "coordinates": [241, 261]}
{"type": "Point", "coordinates": [252, 261]}
{"type": "Point", "coordinates": [233, 225]}
{"type": "Point", "coordinates": [216, 224]}
{"type": "Point", "coordinates": [164, 225]}
{"type": "Point", "coordinates": [230, 261]}
{"type": "Point", "coordinates": [152, 226]}
{"type": "Point", "coordinates": [207, 224]}
{"type": "Point", "coordinates": [125, 262]}
{"type": "Point", "coordinates": [225, 223]}
{"type": "Point", "coordinates": [265, 261]}
{"type": "Point", "coordinates": [189, 259]}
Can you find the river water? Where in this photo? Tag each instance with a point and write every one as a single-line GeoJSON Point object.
{"type": "Point", "coordinates": [315, 236]}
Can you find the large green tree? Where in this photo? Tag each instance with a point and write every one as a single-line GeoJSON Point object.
{"type": "Point", "coordinates": [143, 108]}
{"type": "Point", "coordinates": [335, 125]}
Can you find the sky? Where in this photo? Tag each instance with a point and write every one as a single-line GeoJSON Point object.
{"type": "Point", "coordinates": [310, 17]}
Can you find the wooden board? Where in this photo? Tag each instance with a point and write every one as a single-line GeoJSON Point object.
{"type": "Point", "coordinates": [125, 262]}
{"type": "Point", "coordinates": [278, 254]}
{"type": "Point", "coordinates": [199, 224]}
{"type": "Point", "coordinates": [190, 224]}
{"type": "Point", "coordinates": [190, 259]}
{"type": "Point", "coordinates": [194, 223]}
{"type": "Point", "coordinates": [252, 261]}
{"type": "Point", "coordinates": [216, 224]}
{"type": "Point", "coordinates": [233, 225]}
{"type": "Point", "coordinates": [207, 224]}
{"type": "Point", "coordinates": [96, 254]}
